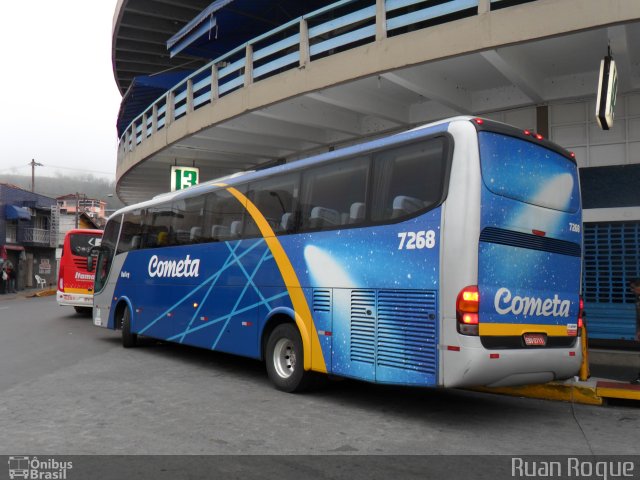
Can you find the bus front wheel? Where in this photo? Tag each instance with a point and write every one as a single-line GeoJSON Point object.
{"type": "Point", "coordinates": [129, 339]}
{"type": "Point", "coordinates": [285, 359]}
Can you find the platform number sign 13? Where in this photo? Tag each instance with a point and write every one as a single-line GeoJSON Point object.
{"type": "Point", "coordinates": [184, 177]}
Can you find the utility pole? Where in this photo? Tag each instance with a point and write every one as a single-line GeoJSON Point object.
{"type": "Point", "coordinates": [77, 207]}
{"type": "Point", "coordinates": [34, 164]}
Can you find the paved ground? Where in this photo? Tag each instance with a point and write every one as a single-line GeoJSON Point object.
{"type": "Point", "coordinates": [67, 387]}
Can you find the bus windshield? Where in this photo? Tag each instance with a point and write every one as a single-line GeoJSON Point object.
{"type": "Point", "coordinates": [106, 252]}
{"type": "Point", "coordinates": [527, 172]}
{"type": "Point", "coordinates": [82, 243]}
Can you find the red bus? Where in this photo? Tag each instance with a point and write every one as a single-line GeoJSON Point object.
{"type": "Point", "coordinates": [75, 283]}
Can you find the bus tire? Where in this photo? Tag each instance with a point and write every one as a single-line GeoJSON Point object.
{"type": "Point", "coordinates": [285, 359]}
{"type": "Point", "coordinates": [129, 339]}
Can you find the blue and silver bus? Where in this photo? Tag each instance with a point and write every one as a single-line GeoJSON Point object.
{"type": "Point", "coordinates": [447, 255]}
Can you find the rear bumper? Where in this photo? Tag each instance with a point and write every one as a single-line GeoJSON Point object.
{"type": "Point", "coordinates": [474, 365]}
{"type": "Point", "coordinates": [74, 299]}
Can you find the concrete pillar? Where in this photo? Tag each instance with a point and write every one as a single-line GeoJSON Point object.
{"type": "Point", "coordinates": [381, 20]}
{"type": "Point", "coordinates": [304, 43]}
{"type": "Point", "coordinates": [145, 131]}
{"type": "Point", "coordinates": [542, 120]}
{"type": "Point", "coordinates": [168, 112]}
{"type": "Point", "coordinates": [154, 118]}
{"type": "Point", "coordinates": [189, 95]}
{"type": "Point", "coordinates": [248, 66]}
{"type": "Point", "coordinates": [214, 83]}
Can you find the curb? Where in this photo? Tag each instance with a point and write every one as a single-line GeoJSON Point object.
{"type": "Point", "coordinates": [28, 293]}
{"type": "Point", "coordinates": [591, 392]}
{"type": "Point", "coordinates": [575, 392]}
{"type": "Point", "coordinates": [43, 293]}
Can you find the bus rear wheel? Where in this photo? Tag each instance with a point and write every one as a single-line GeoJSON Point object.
{"type": "Point", "coordinates": [129, 339]}
{"type": "Point", "coordinates": [285, 359]}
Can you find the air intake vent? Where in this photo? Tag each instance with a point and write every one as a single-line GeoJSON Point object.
{"type": "Point", "coordinates": [407, 330]}
{"type": "Point", "coordinates": [322, 300]}
{"type": "Point", "coordinates": [363, 326]}
{"type": "Point", "coordinates": [80, 262]}
{"type": "Point", "coordinates": [529, 241]}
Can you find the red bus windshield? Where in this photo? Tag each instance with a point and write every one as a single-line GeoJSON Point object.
{"type": "Point", "coordinates": [82, 243]}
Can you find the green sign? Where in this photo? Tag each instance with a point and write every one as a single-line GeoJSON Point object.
{"type": "Point", "coordinates": [184, 177]}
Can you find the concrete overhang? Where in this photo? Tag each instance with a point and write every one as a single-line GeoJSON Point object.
{"type": "Point", "coordinates": [536, 53]}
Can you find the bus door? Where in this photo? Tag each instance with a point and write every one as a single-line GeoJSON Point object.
{"type": "Point", "coordinates": [530, 245]}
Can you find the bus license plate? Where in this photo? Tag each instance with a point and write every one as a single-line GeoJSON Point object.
{"type": "Point", "coordinates": [535, 339]}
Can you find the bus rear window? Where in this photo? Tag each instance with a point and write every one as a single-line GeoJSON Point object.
{"type": "Point", "coordinates": [527, 172]}
{"type": "Point", "coordinates": [81, 244]}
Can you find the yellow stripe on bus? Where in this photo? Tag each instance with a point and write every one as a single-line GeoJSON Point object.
{"type": "Point", "coordinates": [313, 358]}
{"type": "Point", "coordinates": [77, 290]}
{"type": "Point", "coordinates": [517, 329]}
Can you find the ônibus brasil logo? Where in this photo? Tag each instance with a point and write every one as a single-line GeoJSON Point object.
{"type": "Point", "coordinates": [36, 469]}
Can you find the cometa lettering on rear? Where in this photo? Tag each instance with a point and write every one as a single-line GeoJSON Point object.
{"type": "Point", "coordinates": [174, 268]}
{"type": "Point", "coordinates": [505, 303]}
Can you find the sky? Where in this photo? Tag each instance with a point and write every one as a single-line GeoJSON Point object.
{"type": "Point", "coordinates": [59, 97]}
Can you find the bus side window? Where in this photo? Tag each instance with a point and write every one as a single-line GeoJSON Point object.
{"type": "Point", "coordinates": [334, 194]}
{"type": "Point", "coordinates": [409, 179]}
{"type": "Point", "coordinates": [276, 200]}
{"type": "Point", "coordinates": [131, 231]}
{"type": "Point", "coordinates": [221, 210]}
{"type": "Point", "coordinates": [187, 222]}
{"type": "Point", "coordinates": [157, 226]}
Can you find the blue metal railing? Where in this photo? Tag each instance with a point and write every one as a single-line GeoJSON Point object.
{"type": "Point", "coordinates": [290, 46]}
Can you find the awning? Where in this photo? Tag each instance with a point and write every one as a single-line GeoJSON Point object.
{"type": "Point", "coordinates": [13, 212]}
{"type": "Point", "coordinates": [142, 92]}
{"type": "Point", "coordinates": [4, 248]}
{"type": "Point", "coordinates": [218, 29]}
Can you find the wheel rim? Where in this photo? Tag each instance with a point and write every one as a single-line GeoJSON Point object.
{"type": "Point", "coordinates": [284, 358]}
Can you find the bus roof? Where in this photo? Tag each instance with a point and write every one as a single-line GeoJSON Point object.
{"type": "Point", "coordinates": [84, 231]}
{"type": "Point", "coordinates": [363, 147]}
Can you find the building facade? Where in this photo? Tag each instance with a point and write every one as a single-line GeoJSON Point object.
{"type": "Point", "coordinates": [79, 202]}
{"type": "Point", "coordinates": [28, 235]}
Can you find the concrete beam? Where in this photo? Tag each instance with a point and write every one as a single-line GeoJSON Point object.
{"type": "Point", "coordinates": [313, 113]}
{"type": "Point", "coordinates": [360, 101]}
{"type": "Point", "coordinates": [435, 88]}
{"type": "Point", "coordinates": [517, 70]}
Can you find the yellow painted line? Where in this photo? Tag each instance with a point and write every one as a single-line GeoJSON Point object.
{"type": "Point", "coordinates": [313, 359]}
{"type": "Point", "coordinates": [517, 329]}
{"type": "Point", "coordinates": [44, 293]}
{"type": "Point", "coordinates": [550, 391]}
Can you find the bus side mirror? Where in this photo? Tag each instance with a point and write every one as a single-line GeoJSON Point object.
{"type": "Point", "coordinates": [93, 253]}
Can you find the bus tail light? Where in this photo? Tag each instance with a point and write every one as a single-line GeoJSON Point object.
{"type": "Point", "coordinates": [467, 307]}
{"type": "Point", "coordinates": [580, 315]}
{"type": "Point", "coordinates": [61, 278]}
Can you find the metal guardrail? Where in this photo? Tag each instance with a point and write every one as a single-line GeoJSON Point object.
{"type": "Point", "coordinates": [34, 235]}
{"type": "Point", "coordinates": [338, 27]}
